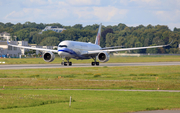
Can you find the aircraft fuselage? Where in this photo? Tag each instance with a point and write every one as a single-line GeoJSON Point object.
{"type": "Point", "coordinates": [74, 49]}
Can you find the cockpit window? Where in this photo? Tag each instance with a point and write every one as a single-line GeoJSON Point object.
{"type": "Point", "coordinates": [62, 45]}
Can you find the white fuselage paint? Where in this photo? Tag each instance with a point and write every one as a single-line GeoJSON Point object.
{"type": "Point", "coordinates": [77, 47]}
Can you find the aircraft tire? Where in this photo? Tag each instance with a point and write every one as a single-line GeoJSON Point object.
{"type": "Point", "coordinates": [97, 63]}
{"type": "Point", "coordinates": [65, 63]}
{"type": "Point", "coordinates": [93, 63]}
{"type": "Point", "coordinates": [70, 63]}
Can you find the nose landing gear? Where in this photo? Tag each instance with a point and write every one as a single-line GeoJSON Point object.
{"type": "Point", "coordinates": [66, 63]}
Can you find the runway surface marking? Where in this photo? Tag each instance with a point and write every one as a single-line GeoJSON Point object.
{"type": "Point", "coordinates": [103, 90]}
{"type": "Point", "coordinates": [160, 111]}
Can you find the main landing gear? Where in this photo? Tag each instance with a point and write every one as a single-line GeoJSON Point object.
{"type": "Point", "coordinates": [70, 63]}
{"type": "Point", "coordinates": [66, 63]}
{"type": "Point", "coordinates": [94, 63]}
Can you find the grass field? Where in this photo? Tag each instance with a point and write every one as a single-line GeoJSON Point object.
{"type": "Point", "coordinates": [17, 94]}
{"type": "Point", "coordinates": [111, 60]}
{"type": "Point", "coordinates": [47, 101]}
{"type": "Point", "coordinates": [135, 77]}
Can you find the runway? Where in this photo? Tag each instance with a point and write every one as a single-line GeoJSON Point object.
{"type": "Point", "coordinates": [36, 66]}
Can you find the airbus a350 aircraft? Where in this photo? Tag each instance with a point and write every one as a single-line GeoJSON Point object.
{"type": "Point", "coordinates": [82, 50]}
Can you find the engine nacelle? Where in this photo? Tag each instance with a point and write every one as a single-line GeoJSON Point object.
{"type": "Point", "coordinates": [103, 56]}
{"type": "Point", "coordinates": [48, 56]}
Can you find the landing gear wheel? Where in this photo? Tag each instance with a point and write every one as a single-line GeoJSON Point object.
{"type": "Point", "coordinates": [93, 63]}
{"type": "Point", "coordinates": [65, 63]}
{"type": "Point", "coordinates": [97, 63]}
{"type": "Point", "coordinates": [70, 63]}
{"type": "Point", "coordinates": [62, 63]}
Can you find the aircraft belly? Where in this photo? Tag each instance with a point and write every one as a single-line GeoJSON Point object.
{"type": "Point", "coordinates": [62, 54]}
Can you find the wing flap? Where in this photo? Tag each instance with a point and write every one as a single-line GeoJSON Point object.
{"type": "Point", "coordinates": [111, 47]}
{"type": "Point", "coordinates": [123, 49]}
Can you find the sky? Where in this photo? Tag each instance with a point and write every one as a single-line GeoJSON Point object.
{"type": "Point", "coordinates": [89, 12]}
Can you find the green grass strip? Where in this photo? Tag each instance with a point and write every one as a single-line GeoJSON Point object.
{"type": "Point", "coordinates": [92, 101]}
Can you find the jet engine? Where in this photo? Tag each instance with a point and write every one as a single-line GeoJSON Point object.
{"type": "Point", "coordinates": [103, 56]}
{"type": "Point", "coordinates": [48, 56]}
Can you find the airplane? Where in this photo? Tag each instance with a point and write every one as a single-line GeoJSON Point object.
{"type": "Point", "coordinates": [82, 50]}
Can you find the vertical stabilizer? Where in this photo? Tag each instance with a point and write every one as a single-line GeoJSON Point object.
{"type": "Point", "coordinates": [98, 37]}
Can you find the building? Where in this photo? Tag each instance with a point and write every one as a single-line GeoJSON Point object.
{"type": "Point", "coordinates": [44, 47]}
{"type": "Point", "coordinates": [9, 51]}
{"type": "Point", "coordinates": [23, 43]}
{"type": "Point", "coordinates": [53, 28]}
{"type": "Point", "coordinates": [5, 36]}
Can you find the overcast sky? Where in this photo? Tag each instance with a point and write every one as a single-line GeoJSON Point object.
{"type": "Point", "coordinates": [89, 12]}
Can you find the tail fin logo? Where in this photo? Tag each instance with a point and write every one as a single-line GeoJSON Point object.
{"type": "Point", "coordinates": [98, 39]}
{"type": "Point", "coordinates": [97, 42]}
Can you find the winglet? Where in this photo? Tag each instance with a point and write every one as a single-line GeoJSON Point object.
{"type": "Point", "coordinates": [8, 42]}
{"type": "Point", "coordinates": [97, 42]}
{"type": "Point", "coordinates": [170, 43]}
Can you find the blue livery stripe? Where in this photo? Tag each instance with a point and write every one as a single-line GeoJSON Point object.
{"type": "Point", "coordinates": [68, 51]}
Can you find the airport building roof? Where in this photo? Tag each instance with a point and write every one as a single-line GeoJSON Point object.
{"type": "Point", "coordinates": [53, 28]}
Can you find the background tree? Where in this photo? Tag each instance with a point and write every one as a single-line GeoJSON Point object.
{"type": "Point", "coordinates": [110, 40]}
{"type": "Point", "coordinates": [78, 26]}
{"type": "Point", "coordinates": [50, 41]}
{"type": "Point", "coordinates": [103, 36]}
{"type": "Point", "coordinates": [117, 35]}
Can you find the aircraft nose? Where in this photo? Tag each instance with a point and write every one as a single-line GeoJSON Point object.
{"type": "Point", "coordinates": [60, 53]}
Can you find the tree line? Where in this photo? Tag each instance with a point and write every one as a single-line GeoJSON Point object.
{"type": "Point", "coordinates": [117, 35]}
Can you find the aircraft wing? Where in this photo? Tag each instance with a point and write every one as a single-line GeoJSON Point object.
{"type": "Point", "coordinates": [123, 49]}
{"type": "Point", "coordinates": [111, 47]}
{"type": "Point", "coordinates": [33, 48]}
